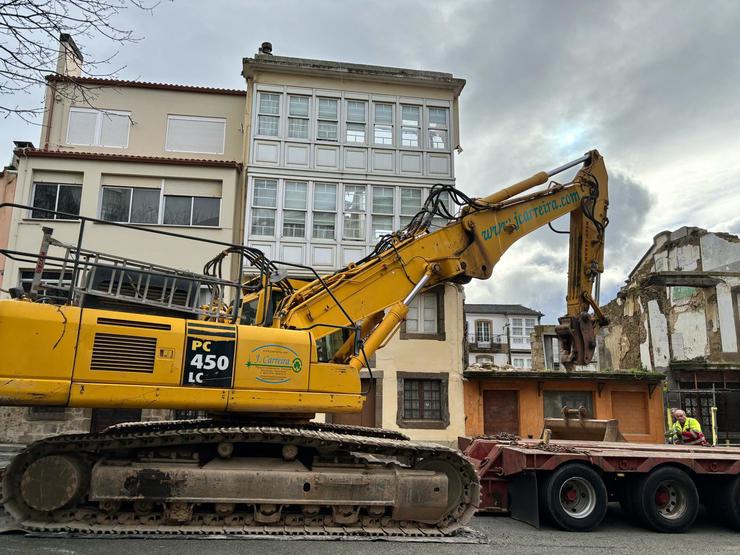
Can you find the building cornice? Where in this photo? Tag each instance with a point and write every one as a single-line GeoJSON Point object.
{"type": "Point", "coordinates": [347, 71]}
{"type": "Point", "coordinates": [100, 156]}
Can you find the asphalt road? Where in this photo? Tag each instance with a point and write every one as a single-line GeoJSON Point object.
{"type": "Point", "coordinates": [491, 534]}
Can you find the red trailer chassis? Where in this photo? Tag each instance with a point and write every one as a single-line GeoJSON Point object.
{"type": "Point", "coordinates": [571, 482]}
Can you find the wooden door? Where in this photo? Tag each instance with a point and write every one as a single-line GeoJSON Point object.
{"type": "Point", "coordinates": [102, 418]}
{"type": "Point", "coordinates": [500, 411]}
{"type": "Point", "coordinates": [366, 417]}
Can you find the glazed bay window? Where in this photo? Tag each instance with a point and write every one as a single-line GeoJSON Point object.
{"type": "Point", "coordinates": [264, 207]}
{"type": "Point", "coordinates": [529, 324]}
{"type": "Point", "coordinates": [324, 210]}
{"type": "Point", "coordinates": [191, 211]}
{"type": "Point", "coordinates": [108, 128]}
{"type": "Point", "coordinates": [383, 124]}
{"type": "Point", "coordinates": [294, 213]}
{"type": "Point", "coordinates": [268, 114]}
{"type": "Point", "coordinates": [438, 129]}
{"type": "Point", "coordinates": [195, 134]}
{"type": "Point", "coordinates": [298, 117]}
{"type": "Point", "coordinates": [410, 125]}
{"type": "Point", "coordinates": [516, 326]}
{"type": "Point", "coordinates": [382, 212]}
{"type": "Point", "coordinates": [328, 118]}
{"type": "Point", "coordinates": [61, 197]}
{"type": "Point", "coordinates": [356, 118]}
{"type": "Point", "coordinates": [423, 400]}
{"type": "Point", "coordinates": [130, 205]}
{"type": "Point", "coordinates": [355, 206]}
{"type": "Point", "coordinates": [410, 204]}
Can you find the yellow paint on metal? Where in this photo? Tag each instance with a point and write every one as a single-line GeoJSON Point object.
{"type": "Point", "coordinates": [24, 392]}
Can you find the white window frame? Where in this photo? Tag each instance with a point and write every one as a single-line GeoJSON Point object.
{"type": "Point", "coordinates": [419, 304]}
{"type": "Point", "coordinates": [391, 124]}
{"type": "Point", "coordinates": [401, 127]}
{"type": "Point", "coordinates": [314, 210]}
{"type": "Point", "coordinates": [363, 230]}
{"type": "Point", "coordinates": [403, 215]}
{"type": "Point", "coordinates": [275, 209]}
{"type": "Point", "coordinates": [194, 118]}
{"type": "Point", "coordinates": [431, 128]}
{"type": "Point", "coordinates": [303, 210]}
{"type": "Point", "coordinates": [306, 118]}
{"type": "Point", "coordinates": [260, 113]}
{"type": "Point", "coordinates": [99, 126]}
{"type": "Point", "coordinates": [320, 119]}
{"type": "Point", "coordinates": [483, 331]}
{"type": "Point", "coordinates": [374, 212]}
{"type": "Point", "coordinates": [348, 122]}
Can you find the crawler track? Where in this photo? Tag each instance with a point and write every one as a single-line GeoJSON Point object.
{"type": "Point", "coordinates": [191, 438]}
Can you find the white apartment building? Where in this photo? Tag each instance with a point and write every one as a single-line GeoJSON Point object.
{"type": "Point", "coordinates": [500, 334]}
{"type": "Point", "coordinates": [340, 154]}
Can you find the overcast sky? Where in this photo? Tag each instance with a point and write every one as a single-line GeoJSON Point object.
{"type": "Point", "coordinates": [655, 86]}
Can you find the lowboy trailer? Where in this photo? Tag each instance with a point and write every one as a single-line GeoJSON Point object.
{"type": "Point", "coordinates": [570, 483]}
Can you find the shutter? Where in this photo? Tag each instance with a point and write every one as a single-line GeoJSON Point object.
{"type": "Point", "coordinates": [203, 135]}
{"type": "Point", "coordinates": [82, 124]}
{"type": "Point", "coordinates": [114, 132]}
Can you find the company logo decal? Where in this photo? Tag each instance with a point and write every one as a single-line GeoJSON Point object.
{"type": "Point", "coordinates": [274, 364]}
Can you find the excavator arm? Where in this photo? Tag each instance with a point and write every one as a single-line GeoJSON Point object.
{"type": "Point", "coordinates": [378, 290]}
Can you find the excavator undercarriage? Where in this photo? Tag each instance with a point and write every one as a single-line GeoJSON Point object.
{"type": "Point", "coordinates": [216, 477]}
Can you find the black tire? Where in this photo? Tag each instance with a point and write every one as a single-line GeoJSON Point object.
{"type": "Point", "coordinates": [575, 498]}
{"type": "Point", "coordinates": [725, 502]}
{"type": "Point", "coordinates": [666, 500]}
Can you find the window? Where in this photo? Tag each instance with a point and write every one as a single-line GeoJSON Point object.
{"type": "Point", "coordinates": [422, 315]}
{"type": "Point", "coordinates": [483, 358]}
{"type": "Point", "coordinates": [294, 215]}
{"type": "Point", "coordinates": [325, 207]}
{"type": "Point", "coordinates": [410, 204]}
{"type": "Point", "coordinates": [61, 197]}
{"type": "Point", "coordinates": [382, 212]}
{"type": "Point", "coordinates": [106, 128]}
{"type": "Point", "coordinates": [556, 400]}
{"type": "Point", "coordinates": [356, 121]}
{"type": "Point", "coordinates": [268, 114]}
{"type": "Point", "coordinates": [438, 129]}
{"type": "Point", "coordinates": [529, 324]}
{"type": "Point", "coordinates": [328, 118]}
{"type": "Point", "coordinates": [410, 124]}
{"type": "Point", "coordinates": [195, 134]}
{"type": "Point", "coordinates": [518, 362]}
{"type": "Point", "coordinates": [483, 331]}
{"type": "Point", "coordinates": [191, 211]}
{"type": "Point", "coordinates": [354, 212]}
{"type": "Point", "coordinates": [264, 206]}
{"type": "Point", "coordinates": [516, 326]}
{"type": "Point", "coordinates": [383, 124]}
{"type": "Point", "coordinates": [130, 205]}
{"type": "Point", "coordinates": [298, 117]}
{"type": "Point", "coordinates": [423, 400]}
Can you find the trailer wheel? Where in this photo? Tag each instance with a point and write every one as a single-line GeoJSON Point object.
{"type": "Point", "coordinates": [667, 500]}
{"type": "Point", "coordinates": [726, 502]}
{"type": "Point", "coordinates": [575, 498]}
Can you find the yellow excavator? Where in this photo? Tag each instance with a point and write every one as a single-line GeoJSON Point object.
{"type": "Point", "coordinates": [262, 358]}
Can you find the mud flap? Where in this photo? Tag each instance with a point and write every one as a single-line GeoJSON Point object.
{"type": "Point", "coordinates": [524, 498]}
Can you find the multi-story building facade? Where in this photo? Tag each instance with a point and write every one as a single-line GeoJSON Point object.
{"type": "Point", "coordinates": [500, 334]}
{"type": "Point", "coordinates": [338, 155]}
{"type": "Point", "coordinates": [310, 163]}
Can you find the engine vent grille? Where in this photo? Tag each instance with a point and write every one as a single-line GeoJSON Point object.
{"type": "Point", "coordinates": [123, 353]}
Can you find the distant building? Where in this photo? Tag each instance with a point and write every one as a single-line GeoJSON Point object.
{"type": "Point", "coordinates": [500, 333]}
{"type": "Point", "coordinates": [679, 315]}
